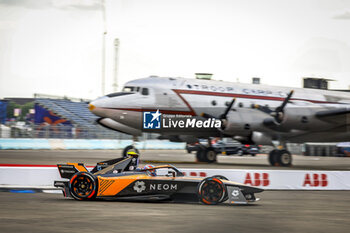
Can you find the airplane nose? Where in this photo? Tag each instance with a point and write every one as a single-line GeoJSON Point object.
{"type": "Point", "coordinates": [91, 107]}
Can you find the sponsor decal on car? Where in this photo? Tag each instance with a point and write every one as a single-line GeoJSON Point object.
{"type": "Point", "coordinates": [139, 186]}
{"type": "Point", "coordinates": [68, 171]}
{"type": "Point", "coordinates": [163, 187]}
{"type": "Point", "coordinates": [235, 193]}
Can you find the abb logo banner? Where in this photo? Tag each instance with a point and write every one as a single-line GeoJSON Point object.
{"type": "Point", "coordinates": [315, 180]}
{"type": "Point", "coordinates": [257, 179]}
{"type": "Point", "coordinates": [45, 175]}
{"type": "Point", "coordinates": [280, 179]}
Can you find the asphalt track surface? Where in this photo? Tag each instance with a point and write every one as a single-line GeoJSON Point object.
{"type": "Point", "coordinates": [179, 158]}
{"type": "Point", "coordinates": [277, 211]}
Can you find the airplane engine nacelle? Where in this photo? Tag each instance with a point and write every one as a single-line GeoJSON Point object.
{"type": "Point", "coordinates": [242, 122]}
{"type": "Point", "coordinates": [261, 138]}
{"type": "Point", "coordinates": [111, 124]}
{"type": "Point", "coordinates": [298, 119]}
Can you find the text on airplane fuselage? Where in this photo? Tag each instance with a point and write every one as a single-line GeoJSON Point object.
{"type": "Point", "coordinates": [228, 89]}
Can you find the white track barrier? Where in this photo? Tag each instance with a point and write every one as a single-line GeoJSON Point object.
{"type": "Point", "coordinates": [84, 144]}
{"type": "Point", "coordinates": [43, 176]}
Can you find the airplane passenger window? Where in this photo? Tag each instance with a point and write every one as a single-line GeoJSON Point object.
{"type": "Point", "coordinates": [304, 119]}
{"type": "Point", "coordinates": [144, 91]}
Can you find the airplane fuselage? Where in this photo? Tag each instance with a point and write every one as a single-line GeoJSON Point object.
{"type": "Point", "coordinates": [180, 96]}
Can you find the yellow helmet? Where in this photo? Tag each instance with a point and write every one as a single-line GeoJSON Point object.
{"type": "Point", "coordinates": [132, 153]}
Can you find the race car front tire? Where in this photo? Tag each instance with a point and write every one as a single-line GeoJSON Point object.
{"type": "Point", "coordinates": [211, 191]}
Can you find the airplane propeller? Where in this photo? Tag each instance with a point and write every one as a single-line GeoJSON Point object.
{"type": "Point", "coordinates": [223, 116]}
{"type": "Point", "coordinates": [278, 113]}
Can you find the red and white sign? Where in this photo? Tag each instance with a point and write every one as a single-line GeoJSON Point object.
{"type": "Point", "coordinates": [281, 179]}
{"type": "Point", "coordinates": [44, 175]}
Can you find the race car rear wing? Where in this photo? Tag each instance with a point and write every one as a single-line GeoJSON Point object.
{"type": "Point", "coordinates": [129, 163]}
{"type": "Point", "coordinates": [69, 169]}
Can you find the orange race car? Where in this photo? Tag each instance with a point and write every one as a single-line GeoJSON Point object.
{"type": "Point", "coordinates": [121, 179]}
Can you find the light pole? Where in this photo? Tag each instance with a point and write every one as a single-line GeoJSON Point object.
{"type": "Point", "coordinates": [103, 68]}
{"type": "Point", "coordinates": [116, 60]}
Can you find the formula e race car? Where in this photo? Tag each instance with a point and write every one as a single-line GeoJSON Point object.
{"type": "Point", "coordinates": [121, 179]}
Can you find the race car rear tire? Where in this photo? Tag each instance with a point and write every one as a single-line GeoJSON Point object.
{"type": "Point", "coordinates": [211, 191]}
{"type": "Point", "coordinates": [220, 177]}
{"type": "Point", "coordinates": [128, 149]}
{"type": "Point", "coordinates": [83, 186]}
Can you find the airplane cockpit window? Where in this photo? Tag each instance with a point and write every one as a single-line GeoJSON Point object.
{"type": "Point", "coordinates": [131, 89]}
{"type": "Point", "coordinates": [144, 91]}
{"type": "Point", "coordinates": [118, 94]}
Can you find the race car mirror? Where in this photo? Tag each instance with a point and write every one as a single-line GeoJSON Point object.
{"type": "Point", "coordinates": [171, 173]}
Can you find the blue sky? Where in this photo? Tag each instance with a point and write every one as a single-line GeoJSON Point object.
{"type": "Point", "coordinates": [54, 46]}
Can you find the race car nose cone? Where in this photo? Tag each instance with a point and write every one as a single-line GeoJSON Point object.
{"type": "Point", "coordinates": [91, 107]}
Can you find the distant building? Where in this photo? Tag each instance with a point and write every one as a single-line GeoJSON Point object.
{"type": "Point", "coordinates": [206, 76]}
{"type": "Point", "coordinates": [20, 101]}
{"type": "Point", "coordinates": [255, 80]}
{"type": "Point", "coordinates": [316, 83]}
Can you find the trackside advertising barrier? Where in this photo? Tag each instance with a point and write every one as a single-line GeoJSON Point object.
{"type": "Point", "coordinates": [281, 179]}
{"type": "Point", "coordinates": [43, 176]}
{"type": "Point", "coordinates": [84, 144]}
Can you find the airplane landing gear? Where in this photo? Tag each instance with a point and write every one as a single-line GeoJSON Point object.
{"type": "Point", "coordinates": [206, 154]}
{"type": "Point", "coordinates": [280, 158]}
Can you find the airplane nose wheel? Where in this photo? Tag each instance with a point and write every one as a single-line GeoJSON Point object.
{"type": "Point", "coordinates": [207, 155]}
{"type": "Point", "coordinates": [280, 158]}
